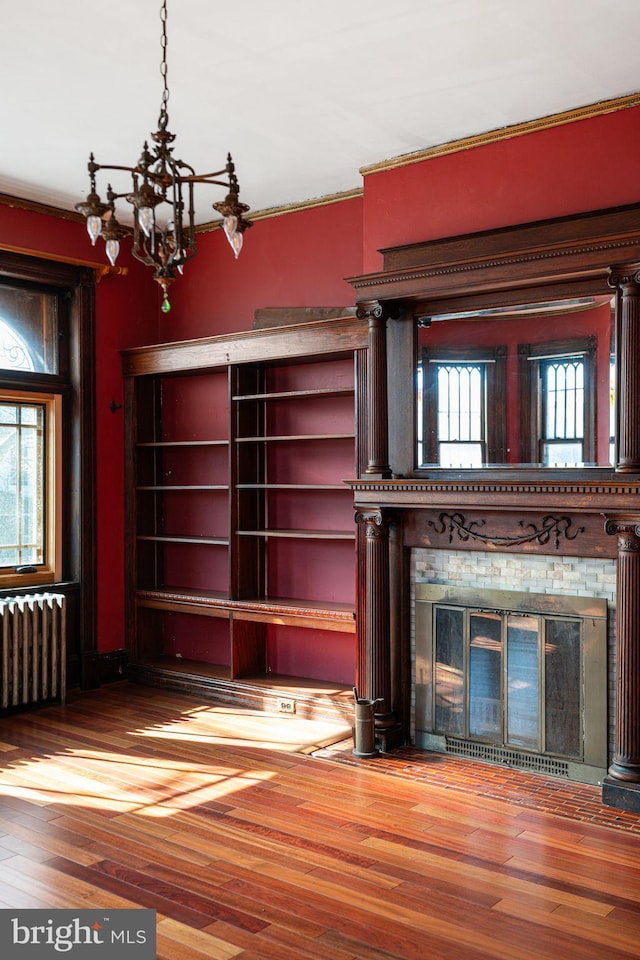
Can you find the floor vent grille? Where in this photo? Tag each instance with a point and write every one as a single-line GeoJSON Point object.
{"type": "Point", "coordinates": [508, 758]}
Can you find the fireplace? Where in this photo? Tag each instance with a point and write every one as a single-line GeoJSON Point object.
{"type": "Point", "coordinates": [512, 677]}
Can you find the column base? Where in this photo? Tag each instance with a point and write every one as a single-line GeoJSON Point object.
{"type": "Point", "coordinates": [390, 738]}
{"type": "Point", "coordinates": [624, 796]}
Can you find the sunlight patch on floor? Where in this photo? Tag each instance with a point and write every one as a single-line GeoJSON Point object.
{"type": "Point", "coordinates": [238, 728]}
{"type": "Point", "coordinates": [122, 783]}
{"type": "Point", "coordinates": [125, 783]}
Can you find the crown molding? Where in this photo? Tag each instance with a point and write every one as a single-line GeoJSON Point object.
{"type": "Point", "coordinates": [289, 208]}
{"type": "Point", "coordinates": [7, 200]}
{"type": "Point", "coordinates": [440, 150]}
{"type": "Point", "coordinates": [505, 133]}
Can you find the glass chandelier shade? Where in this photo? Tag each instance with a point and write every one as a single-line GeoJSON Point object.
{"type": "Point", "coordinates": [161, 191]}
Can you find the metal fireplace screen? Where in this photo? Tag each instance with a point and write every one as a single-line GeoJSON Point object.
{"type": "Point", "coordinates": [514, 678]}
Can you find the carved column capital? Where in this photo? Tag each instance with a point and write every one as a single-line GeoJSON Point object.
{"type": "Point", "coordinates": [627, 529]}
{"type": "Point", "coordinates": [624, 275]}
{"type": "Point", "coordinates": [370, 310]}
{"type": "Point", "coordinates": [376, 522]}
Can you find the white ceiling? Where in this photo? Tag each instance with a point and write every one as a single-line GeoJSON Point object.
{"type": "Point", "coordinates": [302, 92]}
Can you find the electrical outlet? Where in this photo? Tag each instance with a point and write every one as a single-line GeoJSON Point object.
{"type": "Point", "coordinates": [286, 706]}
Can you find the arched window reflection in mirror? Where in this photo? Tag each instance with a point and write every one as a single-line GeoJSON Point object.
{"type": "Point", "coordinates": [14, 352]}
{"type": "Point", "coordinates": [527, 385]}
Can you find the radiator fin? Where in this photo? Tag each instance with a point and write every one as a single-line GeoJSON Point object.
{"type": "Point", "coordinates": [33, 649]}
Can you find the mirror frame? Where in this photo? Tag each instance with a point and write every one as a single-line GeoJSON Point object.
{"type": "Point", "coordinates": [558, 259]}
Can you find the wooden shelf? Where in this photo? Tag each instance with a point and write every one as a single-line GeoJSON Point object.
{"type": "Point", "coordinates": [200, 540]}
{"type": "Point", "coordinates": [301, 534]}
{"type": "Point", "coordinates": [323, 393]}
{"type": "Point", "coordinates": [292, 486]}
{"type": "Point", "coordinates": [298, 436]}
{"type": "Point", "coordinates": [163, 488]}
{"type": "Point", "coordinates": [339, 617]}
{"type": "Point", "coordinates": [183, 443]}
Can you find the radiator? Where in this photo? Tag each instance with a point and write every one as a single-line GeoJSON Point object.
{"type": "Point", "coordinates": [33, 649]}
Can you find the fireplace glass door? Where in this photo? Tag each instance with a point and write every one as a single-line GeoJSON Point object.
{"type": "Point", "coordinates": [510, 678]}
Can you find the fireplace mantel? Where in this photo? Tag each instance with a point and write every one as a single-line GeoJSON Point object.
{"type": "Point", "coordinates": [608, 493]}
{"type": "Point", "coordinates": [587, 512]}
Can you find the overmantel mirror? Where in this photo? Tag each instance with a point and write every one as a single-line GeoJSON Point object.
{"type": "Point", "coordinates": [512, 348]}
{"type": "Point", "coordinates": [529, 385]}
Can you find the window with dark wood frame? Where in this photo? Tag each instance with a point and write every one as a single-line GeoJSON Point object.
{"type": "Point", "coordinates": [555, 416]}
{"type": "Point", "coordinates": [60, 338]}
{"type": "Point", "coordinates": [483, 430]}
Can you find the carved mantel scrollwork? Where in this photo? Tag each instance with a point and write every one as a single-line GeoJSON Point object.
{"type": "Point", "coordinates": [551, 527]}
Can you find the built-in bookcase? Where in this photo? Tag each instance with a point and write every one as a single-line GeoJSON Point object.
{"type": "Point", "coordinates": [242, 545]}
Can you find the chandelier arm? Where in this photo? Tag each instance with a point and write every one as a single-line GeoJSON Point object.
{"type": "Point", "coordinates": [120, 196]}
{"type": "Point", "coordinates": [112, 166]}
{"type": "Point", "coordinates": [207, 178]}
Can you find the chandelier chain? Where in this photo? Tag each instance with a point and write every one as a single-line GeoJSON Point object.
{"type": "Point", "coordinates": [164, 70]}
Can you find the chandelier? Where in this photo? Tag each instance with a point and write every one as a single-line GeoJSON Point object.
{"type": "Point", "coordinates": [162, 188]}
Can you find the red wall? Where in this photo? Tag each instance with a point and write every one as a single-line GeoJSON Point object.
{"type": "Point", "coordinates": [295, 260]}
{"type": "Point", "coordinates": [125, 317]}
{"type": "Point", "coordinates": [580, 166]}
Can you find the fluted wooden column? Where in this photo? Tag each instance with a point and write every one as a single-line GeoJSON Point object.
{"type": "Point", "coordinates": [625, 278]}
{"type": "Point", "coordinates": [376, 664]}
{"type": "Point", "coordinates": [396, 617]}
{"type": "Point", "coordinates": [625, 766]}
{"type": "Point", "coordinates": [377, 409]}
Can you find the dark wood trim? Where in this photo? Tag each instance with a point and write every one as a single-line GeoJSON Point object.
{"type": "Point", "coordinates": [100, 668]}
{"type": "Point", "coordinates": [521, 489]}
{"type": "Point", "coordinates": [572, 250]}
{"type": "Point", "coordinates": [304, 340]}
{"type": "Point", "coordinates": [84, 459]}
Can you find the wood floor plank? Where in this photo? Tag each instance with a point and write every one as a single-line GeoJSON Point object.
{"type": "Point", "coordinates": [172, 937]}
{"type": "Point", "coordinates": [135, 797]}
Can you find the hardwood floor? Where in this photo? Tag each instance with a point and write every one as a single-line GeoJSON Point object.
{"type": "Point", "coordinates": [134, 797]}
